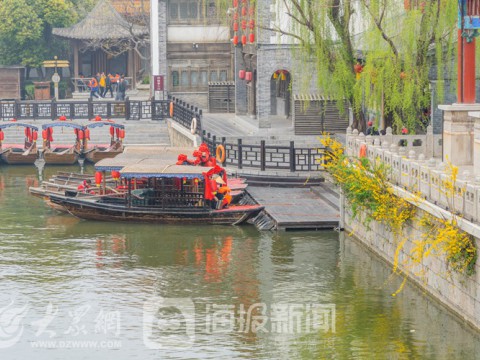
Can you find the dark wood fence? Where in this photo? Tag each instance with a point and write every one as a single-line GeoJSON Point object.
{"type": "Point", "coordinates": [262, 156]}
{"type": "Point", "coordinates": [184, 114]}
{"type": "Point", "coordinates": [44, 110]}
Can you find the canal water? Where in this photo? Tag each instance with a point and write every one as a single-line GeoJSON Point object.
{"type": "Point", "coordinates": [72, 289]}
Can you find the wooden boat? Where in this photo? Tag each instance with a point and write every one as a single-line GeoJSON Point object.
{"type": "Point", "coordinates": [62, 154]}
{"type": "Point", "coordinates": [25, 153]}
{"type": "Point", "coordinates": [100, 152]}
{"type": "Point", "coordinates": [169, 194]}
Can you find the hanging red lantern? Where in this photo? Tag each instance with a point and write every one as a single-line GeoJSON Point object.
{"type": "Point", "coordinates": [80, 134]}
{"type": "Point", "coordinates": [251, 10]}
{"type": "Point", "coordinates": [27, 132]}
{"type": "Point", "coordinates": [87, 133]}
{"type": "Point", "coordinates": [251, 24]}
{"type": "Point", "coordinates": [244, 39]}
{"type": "Point", "coordinates": [241, 74]}
{"type": "Point", "coordinates": [248, 76]}
{"type": "Point", "coordinates": [235, 3]}
{"type": "Point", "coordinates": [235, 26]}
{"type": "Point", "coordinates": [62, 118]}
{"type": "Point", "coordinates": [251, 38]}
{"type": "Point", "coordinates": [244, 24]}
{"type": "Point", "coordinates": [117, 132]}
{"type": "Point", "coordinates": [244, 11]}
{"type": "Point", "coordinates": [98, 118]}
{"type": "Point", "coordinates": [35, 136]}
{"type": "Point", "coordinates": [98, 178]}
{"type": "Point", "coordinates": [122, 133]}
{"type": "Point", "coordinates": [115, 175]}
{"type": "Point", "coordinates": [2, 135]}
{"type": "Point", "coordinates": [235, 16]}
{"type": "Point", "coordinates": [235, 40]}
{"type": "Point", "coordinates": [44, 134]}
{"type": "Point", "coordinates": [50, 134]}
{"type": "Point", "coordinates": [112, 131]}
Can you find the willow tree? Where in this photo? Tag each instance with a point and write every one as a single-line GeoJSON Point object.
{"type": "Point", "coordinates": [375, 53]}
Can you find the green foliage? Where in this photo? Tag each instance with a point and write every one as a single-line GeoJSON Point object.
{"type": "Point", "coordinates": [146, 80]}
{"type": "Point", "coordinates": [26, 29]}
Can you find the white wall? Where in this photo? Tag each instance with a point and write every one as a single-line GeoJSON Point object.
{"type": "Point", "coordinates": [191, 34]}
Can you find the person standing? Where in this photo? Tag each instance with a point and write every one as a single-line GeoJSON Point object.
{"type": "Point", "coordinates": [93, 85]}
{"type": "Point", "coordinates": [122, 88]}
{"type": "Point", "coordinates": [103, 84]}
{"type": "Point", "coordinates": [108, 81]}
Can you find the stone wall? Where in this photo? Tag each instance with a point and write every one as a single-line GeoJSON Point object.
{"type": "Point", "coordinates": [460, 293]}
{"type": "Point", "coordinates": [181, 137]}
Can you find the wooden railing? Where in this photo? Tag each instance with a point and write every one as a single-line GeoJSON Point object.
{"type": "Point", "coordinates": [45, 110]}
{"type": "Point", "coordinates": [184, 113]}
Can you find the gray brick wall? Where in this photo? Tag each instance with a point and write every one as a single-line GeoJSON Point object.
{"type": "Point", "coordinates": [240, 85]}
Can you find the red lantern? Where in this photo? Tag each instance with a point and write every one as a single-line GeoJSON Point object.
{"type": "Point", "coordinates": [80, 134]}
{"type": "Point", "coordinates": [244, 39]}
{"type": "Point", "coordinates": [35, 136]}
{"type": "Point", "coordinates": [98, 118]}
{"type": "Point", "coordinates": [248, 76]}
{"type": "Point", "coordinates": [117, 132]}
{"type": "Point", "coordinates": [50, 134]}
{"type": "Point", "coordinates": [27, 132]}
{"type": "Point", "coordinates": [244, 24]}
{"type": "Point", "coordinates": [98, 178]}
{"type": "Point", "coordinates": [241, 74]}
{"type": "Point", "coordinates": [235, 16]}
{"type": "Point", "coordinates": [244, 11]}
{"type": "Point", "coordinates": [44, 134]}
{"type": "Point", "coordinates": [235, 26]}
{"type": "Point", "coordinates": [2, 135]}
{"type": "Point", "coordinates": [251, 24]}
{"type": "Point", "coordinates": [87, 134]}
{"type": "Point", "coordinates": [62, 118]}
{"type": "Point", "coordinates": [122, 133]}
{"type": "Point", "coordinates": [112, 131]}
{"type": "Point", "coordinates": [235, 3]}
{"type": "Point", "coordinates": [115, 175]}
{"type": "Point", "coordinates": [251, 38]}
{"type": "Point", "coordinates": [251, 11]}
{"type": "Point", "coordinates": [235, 40]}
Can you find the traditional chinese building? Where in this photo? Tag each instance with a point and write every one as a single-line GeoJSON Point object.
{"type": "Point", "coordinates": [105, 41]}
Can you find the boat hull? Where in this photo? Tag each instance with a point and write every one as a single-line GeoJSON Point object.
{"type": "Point", "coordinates": [18, 158]}
{"type": "Point", "coordinates": [95, 156]}
{"type": "Point", "coordinates": [92, 210]}
{"type": "Point", "coordinates": [60, 158]}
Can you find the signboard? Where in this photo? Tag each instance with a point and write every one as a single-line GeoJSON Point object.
{"type": "Point", "coordinates": [158, 84]}
{"type": "Point", "coordinates": [56, 63]}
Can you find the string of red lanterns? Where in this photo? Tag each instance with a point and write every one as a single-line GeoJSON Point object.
{"type": "Point", "coordinates": [247, 24]}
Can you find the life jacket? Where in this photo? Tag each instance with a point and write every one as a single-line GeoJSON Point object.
{"type": "Point", "coordinates": [93, 83]}
{"type": "Point", "coordinates": [102, 81]}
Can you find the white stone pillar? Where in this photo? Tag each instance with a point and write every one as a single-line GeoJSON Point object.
{"type": "Point", "coordinates": [458, 133]}
{"type": "Point", "coordinates": [154, 49]}
{"type": "Point", "coordinates": [476, 142]}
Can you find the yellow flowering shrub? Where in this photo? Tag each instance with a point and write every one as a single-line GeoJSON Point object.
{"type": "Point", "coordinates": [366, 187]}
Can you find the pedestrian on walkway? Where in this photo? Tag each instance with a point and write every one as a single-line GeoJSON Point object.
{"type": "Point", "coordinates": [103, 84]}
{"type": "Point", "coordinates": [108, 81]}
{"type": "Point", "coordinates": [122, 88]}
{"type": "Point", "coordinates": [93, 85]}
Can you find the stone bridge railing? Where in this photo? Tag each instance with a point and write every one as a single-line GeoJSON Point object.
{"type": "Point", "coordinates": [415, 164]}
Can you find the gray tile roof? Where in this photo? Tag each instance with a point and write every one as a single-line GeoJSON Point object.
{"type": "Point", "coordinates": [102, 23]}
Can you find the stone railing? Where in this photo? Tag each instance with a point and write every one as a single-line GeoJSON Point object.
{"type": "Point", "coordinates": [419, 169]}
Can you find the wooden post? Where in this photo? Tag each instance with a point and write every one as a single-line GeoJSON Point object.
{"type": "Point", "coordinates": [239, 153]}
{"type": "Point", "coordinates": [292, 156]}
{"type": "Point", "coordinates": [262, 155]}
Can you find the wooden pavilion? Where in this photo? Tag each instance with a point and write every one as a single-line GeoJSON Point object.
{"type": "Point", "coordinates": [102, 41]}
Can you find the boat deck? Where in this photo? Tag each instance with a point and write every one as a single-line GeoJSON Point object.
{"type": "Point", "coordinates": [299, 208]}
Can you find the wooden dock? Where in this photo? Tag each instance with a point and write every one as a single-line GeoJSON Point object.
{"type": "Point", "coordinates": [299, 208]}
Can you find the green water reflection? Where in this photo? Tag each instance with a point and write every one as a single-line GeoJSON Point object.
{"type": "Point", "coordinates": [54, 261]}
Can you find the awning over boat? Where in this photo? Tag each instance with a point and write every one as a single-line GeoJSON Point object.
{"type": "Point", "coordinates": [117, 163]}
{"type": "Point", "coordinates": [63, 124]}
{"type": "Point", "coordinates": [105, 123]}
{"type": "Point", "coordinates": [12, 124]}
{"type": "Point", "coordinates": [158, 169]}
